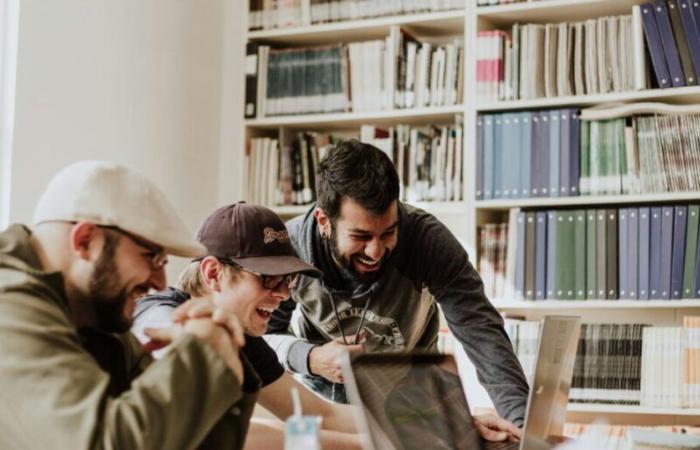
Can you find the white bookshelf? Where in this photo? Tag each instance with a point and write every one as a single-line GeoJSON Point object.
{"type": "Point", "coordinates": [464, 217]}
{"type": "Point", "coordinates": [435, 23]}
{"type": "Point", "coordinates": [584, 200]}
{"type": "Point", "coordinates": [682, 95]}
{"type": "Point", "coordinates": [437, 208]}
{"type": "Point", "coordinates": [595, 305]}
{"type": "Point", "coordinates": [543, 11]}
{"type": "Point", "coordinates": [354, 120]}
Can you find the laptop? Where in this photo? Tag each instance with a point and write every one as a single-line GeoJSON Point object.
{"type": "Point", "coordinates": [408, 401]}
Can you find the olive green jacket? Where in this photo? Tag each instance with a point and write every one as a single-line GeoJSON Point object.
{"type": "Point", "coordinates": [68, 389]}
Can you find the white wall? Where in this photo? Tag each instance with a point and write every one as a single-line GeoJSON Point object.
{"type": "Point", "coordinates": [139, 82]}
{"type": "Point", "coordinates": [9, 16]}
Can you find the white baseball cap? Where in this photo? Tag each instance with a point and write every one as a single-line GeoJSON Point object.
{"type": "Point", "coordinates": [106, 193]}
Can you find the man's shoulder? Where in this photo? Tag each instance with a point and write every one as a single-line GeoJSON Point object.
{"type": "Point", "coordinates": [171, 297]}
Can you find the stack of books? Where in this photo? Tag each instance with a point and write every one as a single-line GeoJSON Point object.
{"type": "Point", "coordinates": [565, 152]}
{"type": "Point", "coordinates": [265, 14]}
{"type": "Point", "coordinates": [397, 72]}
{"type": "Point", "coordinates": [493, 245]}
{"type": "Point", "coordinates": [528, 154]}
{"type": "Point", "coordinates": [637, 253]}
{"type": "Point", "coordinates": [560, 59]}
{"type": "Point", "coordinates": [428, 159]}
{"type": "Point", "coordinates": [625, 364]}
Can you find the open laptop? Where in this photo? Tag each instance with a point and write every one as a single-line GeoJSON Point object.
{"type": "Point", "coordinates": [416, 401]}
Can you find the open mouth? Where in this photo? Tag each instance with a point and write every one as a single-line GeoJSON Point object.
{"type": "Point", "coordinates": [366, 264]}
{"type": "Point", "coordinates": [264, 311]}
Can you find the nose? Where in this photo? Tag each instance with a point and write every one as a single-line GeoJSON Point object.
{"type": "Point", "coordinates": [375, 249]}
{"type": "Point", "coordinates": [158, 280]}
{"type": "Point", "coordinates": [281, 293]}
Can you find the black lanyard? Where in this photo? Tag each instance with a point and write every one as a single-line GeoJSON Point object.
{"type": "Point", "coordinates": [359, 327]}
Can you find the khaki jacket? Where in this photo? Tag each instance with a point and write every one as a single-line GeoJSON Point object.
{"type": "Point", "coordinates": [64, 389]}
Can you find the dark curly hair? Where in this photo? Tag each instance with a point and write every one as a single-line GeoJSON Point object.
{"type": "Point", "coordinates": [360, 172]}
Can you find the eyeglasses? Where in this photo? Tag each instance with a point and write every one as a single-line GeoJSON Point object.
{"type": "Point", "coordinates": [274, 282]}
{"type": "Point", "coordinates": [156, 256]}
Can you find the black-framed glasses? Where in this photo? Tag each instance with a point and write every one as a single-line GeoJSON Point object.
{"type": "Point", "coordinates": [156, 256]}
{"type": "Point", "coordinates": [274, 282]}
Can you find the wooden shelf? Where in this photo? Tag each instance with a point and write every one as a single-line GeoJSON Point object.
{"type": "Point", "coordinates": [557, 305]}
{"type": "Point", "coordinates": [630, 409]}
{"type": "Point", "coordinates": [441, 208]}
{"type": "Point", "coordinates": [443, 23]}
{"type": "Point", "coordinates": [349, 120]}
{"type": "Point", "coordinates": [547, 11]}
{"type": "Point", "coordinates": [682, 95]}
{"type": "Point", "coordinates": [584, 200]}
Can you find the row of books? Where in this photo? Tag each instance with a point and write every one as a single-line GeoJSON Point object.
{"type": "Point", "coordinates": [396, 72]}
{"type": "Point", "coordinates": [553, 153]}
{"type": "Point", "coordinates": [671, 28]}
{"type": "Point", "coordinates": [429, 161]}
{"type": "Point", "coordinates": [629, 364]}
{"type": "Point", "coordinates": [645, 154]}
{"type": "Point", "coordinates": [265, 14]}
{"type": "Point", "coordinates": [643, 253]}
{"type": "Point", "coordinates": [528, 154]}
{"type": "Point", "coordinates": [559, 59]}
{"type": "Point", "coordinates": [281, 171]}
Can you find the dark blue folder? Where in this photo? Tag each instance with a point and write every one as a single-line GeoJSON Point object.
{"type": "Point", "coordinates": [678, 256]}
{"type": "Point", "coordinates": [644, 243]}
{"type": "Point", "coordinates": [655, 253]}
{"type": "Point", "coordinates": [656, 51]}
{"type": "Point", "coordinates": [668, 42]}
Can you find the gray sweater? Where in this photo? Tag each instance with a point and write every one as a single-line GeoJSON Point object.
{"type": "Point", "coordinates": [428, 267]}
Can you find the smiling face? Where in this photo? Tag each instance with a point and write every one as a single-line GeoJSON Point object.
{"type": "Point", "coordinates": [122, 274]}
{"type": "Point", "coordinates": [361, 241]}
{"type": "Point", "coordinates": [243, 294]}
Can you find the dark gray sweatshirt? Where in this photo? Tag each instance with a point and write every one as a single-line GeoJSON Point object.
{"type": "Point", "coordinates": [428, 267]}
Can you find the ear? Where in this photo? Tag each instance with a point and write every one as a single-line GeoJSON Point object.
{"type": "Point", "coordinates": [323, 221]}
{"type": "Point", "coordinates": [82, 235]}
{"type": "Point", "coordinates": [209, 268]}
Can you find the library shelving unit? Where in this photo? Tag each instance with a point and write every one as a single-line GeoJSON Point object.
{"type": "Point", "coordinates": [464, 217]}
{"type": "Point", "coordinates": [659, 312]}
{"type": "Point", "coordinates": [430, 25]}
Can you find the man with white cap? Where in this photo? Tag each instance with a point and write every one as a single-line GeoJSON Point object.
{"type": "Point", "coordinates": [72, 376]}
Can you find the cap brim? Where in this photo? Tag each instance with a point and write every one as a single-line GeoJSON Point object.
{"type": "Point", "coordinates": [278, 265]}
{"type": "Point", "coordinates": [186, 250]}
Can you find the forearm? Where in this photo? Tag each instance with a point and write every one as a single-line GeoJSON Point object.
{"type": "Point", "coordinates": [291, 351]}
{"type": "Point", "coordinates": [339, 418]}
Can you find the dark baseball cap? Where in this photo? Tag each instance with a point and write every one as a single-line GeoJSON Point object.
{"type": "Point", "coordinates": [253, 237]}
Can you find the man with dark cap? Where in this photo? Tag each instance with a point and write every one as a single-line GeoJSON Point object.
{"type": "Point", "coordinates": [249, 267]}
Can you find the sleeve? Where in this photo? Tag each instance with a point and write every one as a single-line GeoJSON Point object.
{"type": "Point", "coordinates": [476, 324]}
{"type": "Point", "coordinates": [263, 359]}
{"type": "Point", "coordinates": [55, 395]}
{"type": "Point", "coordinates": [292, 352]}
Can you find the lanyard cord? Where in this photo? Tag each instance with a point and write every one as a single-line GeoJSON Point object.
{"type": "Point", "coordinates": [359, 327]}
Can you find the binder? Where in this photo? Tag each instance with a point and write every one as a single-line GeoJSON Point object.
{"type": "Point", "coordinates": [656, 51]}
{"type": "Point", "coordinates": [680, 223]}
{"type": "Point", "coordinates": [682, 43]}
{"type": "Point", "coordinates": [668, 43]}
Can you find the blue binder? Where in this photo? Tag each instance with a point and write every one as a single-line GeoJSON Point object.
{"type": "Point", "coordinates": [656, 51]}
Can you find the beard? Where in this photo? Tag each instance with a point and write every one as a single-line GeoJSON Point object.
{"type": "Point", "coordinates": [108, 299]}
{"type": "Point", "coordinates": [345, 262]}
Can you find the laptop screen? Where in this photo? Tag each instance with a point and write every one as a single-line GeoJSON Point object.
{"type": "Point", "coordinates": [413, 401]}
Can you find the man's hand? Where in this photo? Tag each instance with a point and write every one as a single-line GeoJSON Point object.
{"type": "Point", "coordinates": [325, 359]}
{"type": "Point", "coordinates": [493, 428]}
{"type": "Point", "coordinates": [219, 329]}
